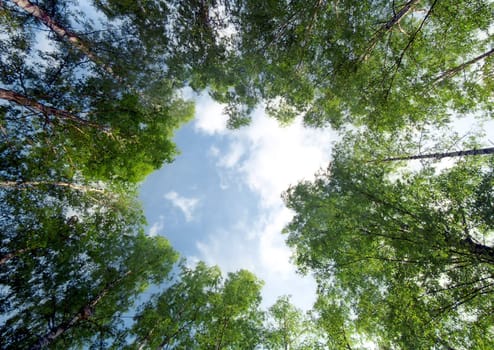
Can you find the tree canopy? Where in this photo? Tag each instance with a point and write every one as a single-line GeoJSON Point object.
{"type": "Point", "coordinates": [400, 253]}
{"type": "Point", "coordinates": [90, 98]}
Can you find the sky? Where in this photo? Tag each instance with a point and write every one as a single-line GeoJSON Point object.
{"type": "Point", "coordinates": [220, 200]}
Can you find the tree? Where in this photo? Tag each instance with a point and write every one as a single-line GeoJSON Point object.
{"type": "Point", "coordinates": [81, 97]}
{"type": "Point", "coordinates": [73, 256]}
{"type": "Point", "coordinates": [201, 310]}
{"type": "Point", "coordinates": [376, 63]}
{"type": "Point", "coordinates": [399, 254]}
{"type": "Point", "coordinates": [235, 318]}
{"type": "Point", "coordinates": [67, 272]}
{"type": "Point", "coordinates": [170, 319]}
{"type": "Point", "coordinates": [289, 328]}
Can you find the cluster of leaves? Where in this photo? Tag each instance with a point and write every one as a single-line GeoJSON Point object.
{"type": "Point", "coordinates": [377, 63]}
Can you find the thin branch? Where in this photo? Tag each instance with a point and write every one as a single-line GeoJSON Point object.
{"type": "Point", "coordinates": [409, 44]}
{"type": "Point", "coordinates": [63, 33]}
{"type": "Point", "coordinates": [84, 312]}
{"type": "Point", "coordinates": [453, 71]}
{"type": "Point", "coordinates": [396, 19]}
{"type": "Point", "coordinates": [28, 184]}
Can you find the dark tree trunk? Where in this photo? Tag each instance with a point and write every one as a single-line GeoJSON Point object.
{"type": "Point", "coordinates": [471, 152]}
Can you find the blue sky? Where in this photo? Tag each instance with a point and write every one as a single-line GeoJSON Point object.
{"type": "Point", "coordinates": [220, 200]}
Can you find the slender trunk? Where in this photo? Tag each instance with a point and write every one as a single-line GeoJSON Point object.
{"type": "Point", "coordinates": [411, 39]}
{"type": "Point", "coordinates": [450, 72]}
{"type": "Point", "coordinates": [83, 313]}
{"type": "Point", "coordinates": [479, 250]}
{"type": "Point", "coordinates": [388, 26]}
{"type": "Point", "coordinates": [347, 344]}
{"type": "Point", "coordinates": [471, 152]}
{"type": "Point", "coordinates": [26, 185]}
{"type": "Point", "coordinates": [61, 114]}
{"type": "Point", "coordinates": [9, 256]}
{"type": "Point", "coordinates": [62, 32]}
{"type": "Point", "coordinates": [219, 341]}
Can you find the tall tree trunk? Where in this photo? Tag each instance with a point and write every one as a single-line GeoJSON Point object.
{"type": "Point", "coordinates": [219, 340]}
{"type": "Point", "coordinates": [28, 184]}
{"type": "Point", "coordinates": [450, 72]}
{"type": "Point", "coordinates": [388, 26]}
{"type": "Point", "coordinates": [9, 256]}
{"type": "Point", "coordinates": [471, 152]}
{"type": "Point", "coordinates": [63, 33]}
{"type": "Point", "coordinates": [83, 313]}
{"type": "Point", "coordinates": [484, 252]}
{"type": "Point", "coordinates": [61, 114]}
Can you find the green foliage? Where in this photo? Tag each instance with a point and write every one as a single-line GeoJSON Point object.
{"type": "Point", "coordinates": [200, 310]}
{"type": "Point", "coordinates": [96, 101]}
{"type": "Point", "coordinates": [72, 255]}
{"type": "Point", "coordinates": [376, 63]}
{"type": "Point", "coordinates": [288, 327]}
{"type": "Point", "coordinates": [405, 254]}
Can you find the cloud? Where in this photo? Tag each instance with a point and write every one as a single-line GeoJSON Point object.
{"type": "Point", "coordinates": [270, 158]}
{"type": "Point", "coordinates": [209, 118]}
{"type": "Point", "coordinates": [232, 157]}
{"type": "Point", "coordinates": [157, 226]}
{"type": "Point", "coordinates": [267, 159]}
{"type": "Point", "coordinates": [186, 205]}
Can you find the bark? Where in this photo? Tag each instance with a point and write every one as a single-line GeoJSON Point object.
{"type": "Point", "coordinates": [84, 313]}
{"type": "Point", "coordinates": [61, 114]}
{"type": "Point", "coordinates": [9, 256]}
{"type": "Point", "coordinates": [62, 32]}
{"type": "Point", "coordinates": [407, 47]}
{"type": "Point", "coordinates": [219, 341]}
{"type": "Point", "coordinates": [479, 250]}
{"type": "Point", "coordinates": [26, 185]}
{"type": "Point", "coordinates": [388, 26]}
{"type": "Point", "coordinates": [441, 155]}
{"type": "Point", "coordinates": [453, 71]}
{"type": "Point", "coordinates": [347, 344]}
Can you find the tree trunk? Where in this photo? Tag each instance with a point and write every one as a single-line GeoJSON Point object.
{"type": "Point", "coordinates": [62, 32]}
{"type": "Point", "coordinates": [27, 184]}
{"type": "Point", "coordinates": [471, 152]}
{"type": "Point", "coordinates": [450, 72]}
{"type": "Point", "coordinates": [84, 313]}
{"type": "Point", "coordinates": [388, 26]}
{"type": "Point", "coordinates": [219, 341]}
{"type": "Point", "coordinates": [9, 256]}
{"type": "Point", "coordinates": [61, 114]}
{"type": "Point", "coordinates": [479, 250]}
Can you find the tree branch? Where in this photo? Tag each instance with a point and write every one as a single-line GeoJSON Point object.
{"type": "Point", "coordinates": [452, 71]}
{"type": "Point", "coordinates": [45, 110]}
{"type": "Point", "coordinates": [83, 313]}
{"type": "Point", "coordinates": [63, 33]}
{"type": "Point", "coordinates": [440, 155]}
{"type": "Point", "coordinates": [397, 17]}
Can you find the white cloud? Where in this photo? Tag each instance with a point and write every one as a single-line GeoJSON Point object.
{"type": "Point", "coordinates": [209, 118]}
{"type": "Point", "coordinates": [214, 151]}
{"type": "Point", "coordinates": [278, 157]}
{"type": "Point", "coordinates": [186, 205]}
{"type": "Point", "coordinates": [232, 157]}
{"type": "Point", "coordinates": [157, 226]}
{"type": "Point", "coordinates": [268, 159]}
